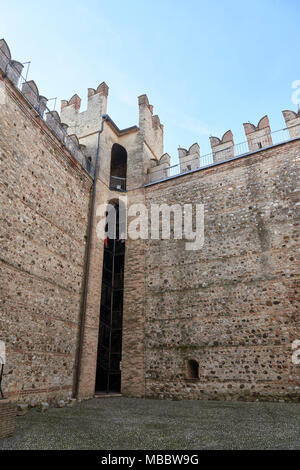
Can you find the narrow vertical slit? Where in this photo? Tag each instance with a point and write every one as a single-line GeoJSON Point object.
{"type": "Point", "coordinates": [108, 375]}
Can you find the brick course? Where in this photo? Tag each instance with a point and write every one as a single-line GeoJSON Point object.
{"type": "Point", "coordinates": [233, 305]}
{"type": "Point", "coordinates": [8, 412]}
{"type": "Point", "coordinates": [44, 210]}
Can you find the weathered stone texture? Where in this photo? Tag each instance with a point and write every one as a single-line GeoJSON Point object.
{"type": "Point", "coordinates": [133, 356]}
{"type": "Point", "coordinates": [44, 210]}
{"type": "Point", "coordinates": [7, 418]}
{"type": "Point", "coordinates": [231, 306]}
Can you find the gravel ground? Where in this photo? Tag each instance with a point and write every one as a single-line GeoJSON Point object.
{"type": "Point", "coordinates": [125, 423]}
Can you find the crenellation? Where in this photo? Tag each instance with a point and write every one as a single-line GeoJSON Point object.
{"type": "Point", "coordinates": [63, 104]}
{"type": "Point", "coordinates": [5, 55]}
{"type": "Point", "coordinates": [144, 102]}
{"type": "Point", "coordinates": [70, 141]}
{"type": "Point", "coordinates": [72, 144]}
{"type": "Point", "coordinates": [189, 159]}
{"type": "Point", "coordinates": [102, 89]}
{"type": "Point", "coordinates": [292, 121]}
{"type": "Point", "coordinates": [160, 169]}
{"type": "Point", "coordinates": [258, 136]}
{"type": "Point", "coordinates": [76, 102]}
{"type": "Point", "coordinates": [222, 149]}
{"type": "Point", "coordinates": [84, 123]}
{"type": "Point", "coordinates": [31, 93]}
{"type": "Point", "coordinates": [54, 123]}
{"type": "Point", "coordinates": [151, 127]}
{"type": "Point", "coordinates": [156, 122]}
{"type": "Point", "coordinates": [42, 105]}
{"type": "Point", "coordinates": [11, 68]}
{"type": "Point", "coordinates": [13, 71]}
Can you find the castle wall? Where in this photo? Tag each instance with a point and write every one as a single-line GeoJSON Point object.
{"type": "Point", "coordinates": [232, 305]}
{"type": "Point", "coordinates": [44, 211]}
{"type": "Point", "coordinates": [88, 121]}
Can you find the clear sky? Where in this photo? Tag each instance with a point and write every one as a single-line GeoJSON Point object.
{"type": "Point", "coordinates": [207, 66]}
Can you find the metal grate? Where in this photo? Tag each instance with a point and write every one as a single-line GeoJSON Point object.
{"type": "Point", "coordinates": [108, 377]}
{"type": "Point", "coordinates": [117, 183]}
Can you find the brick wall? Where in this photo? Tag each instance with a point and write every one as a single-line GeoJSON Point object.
{"type": "Point", "coordinates": [133, 357]}
{"type": "Point", "coordinates": [7, 418]}
{"type": "Point", "coordinates": [44, 209]}
{"type": "Point", "coordinates": [231, 306]}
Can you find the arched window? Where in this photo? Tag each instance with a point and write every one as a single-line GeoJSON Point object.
{"type": "Point", "coordinates": [192, 371]}
{"type": "Point", "coordinates": [118, 168]}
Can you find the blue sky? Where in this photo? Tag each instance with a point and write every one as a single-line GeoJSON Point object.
{"type": "Point", "coordinates": [206, 66]}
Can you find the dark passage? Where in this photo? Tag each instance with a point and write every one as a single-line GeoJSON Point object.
{"type": "Point", "coordinates": [118, 168]}
{"type": "Point", "coordinates": [108, 378]}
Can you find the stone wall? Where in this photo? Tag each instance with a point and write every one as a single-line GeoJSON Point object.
{"type": "Point", "coordinates": [232, 305]}
{"type": "Point", "coordinates": [7, 418]}
{"type": "Point", "coordinates": [44, 209]}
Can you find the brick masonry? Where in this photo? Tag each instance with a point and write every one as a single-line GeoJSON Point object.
{"type": "Point", "coordinates": [44, 210]}
{"type": "Point", "coordinates": [233, 305]}
{"type": "Point", "coordinates": [8, 412]}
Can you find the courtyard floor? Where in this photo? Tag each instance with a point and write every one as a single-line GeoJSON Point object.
{"type": "Point", "coordinates": [125, 423]}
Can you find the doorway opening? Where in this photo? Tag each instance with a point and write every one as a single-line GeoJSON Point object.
{"type": "Point", "coordinates": [192, 370]}
{"type": "Point", "coordinates": [118, 168]}
{"type": "Point", "coordinates": [108, 375]}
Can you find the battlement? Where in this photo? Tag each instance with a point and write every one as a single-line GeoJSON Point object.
{"type": "Point", "coordinates": [88, 121]}
{"type": "Point", "coordinates": [292, 121]}
{"type": "Point", "coordinates": [11, 68]}
{"type": "Point", "coordinates": [75, 101]}
{"type": "Point", "coordinates": [150, 126]}
{"type": "Point", "coordinates": [222, 149]}
{"type": "Point", "coordinates": [31, 93]}
{"type": "Point", "coordinates": [189, 159]}
{"type": "Point", "coordinates": [258, 136]}
{"type": "Point", "coordinates": [160, 169]}
{"type": "Point", "coordinates": [101, 90]}
{"type": "Point", "coordinates": [73, 126]}
{"type": "Point", "coordinates": [13, 71]}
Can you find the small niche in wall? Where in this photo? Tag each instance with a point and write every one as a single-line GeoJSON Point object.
{"type": "Point", "coordinates": [192, 370]}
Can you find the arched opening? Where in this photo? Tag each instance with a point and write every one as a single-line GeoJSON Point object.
{"type": "Point", "coordinates": [108, 375]}
{"type": "Point", "coordinates": [192, 369]}
{"type": "Point", "coordinates": [118, 168]}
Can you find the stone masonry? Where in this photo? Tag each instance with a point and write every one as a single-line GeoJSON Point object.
{"type": "Point", "coordinates": [233, 305]}
{"type": "Point", "coordinates": [230, 308]}
{"type": "Point", "coordinates": [44, 210]}
{"type": "Point", "coordinates": [7, 418]}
